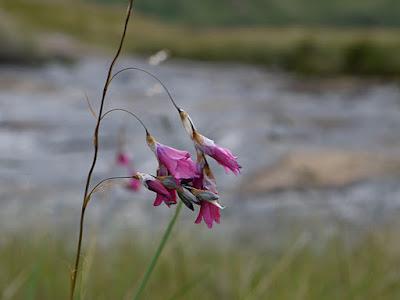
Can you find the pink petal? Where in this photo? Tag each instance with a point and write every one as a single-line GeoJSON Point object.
{"type": "Point", "coordinates": [178, 163]}
{"type": "Point", "coordinates": [133, 184]}
{"type": "Point", "coordinates": [223, 156]}
{"type": "Point", "coordinates": [209, 213]}
{"type": "Point", "coordinates": [215, 213]}
{"type": "Point", "coordinates": [159, 199]}
{"type": "Point", "coordinates": [200, 215]}
{"type": "Point", "coordinates": [162, 171]}
{"type": "Point", "coordinates": [208, 219]}
{"type": "Point", "coordinates": [156, 186]}
{"type": "Point", "coordinates": [172, 152]}
{"type": "Point", "coordinates": [172, 196]}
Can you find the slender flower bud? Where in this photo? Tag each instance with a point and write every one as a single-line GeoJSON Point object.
{"type": "Point", "coordinates": [187, 197]}
{"type": "Point", "coordinates": [153, 184]}
{"type": "Point", "coordinates": [222, 155]}
{"type": "Point", "coordinates": [169, 182]}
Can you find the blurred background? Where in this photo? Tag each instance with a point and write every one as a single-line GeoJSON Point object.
{"type": "Point", "coordinates": [304, 92]}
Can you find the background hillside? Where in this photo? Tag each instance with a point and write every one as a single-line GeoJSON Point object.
{"type": "Point", "coordinates": [274, 12]}
{"type": "Point", "coordinates": [303, 36]}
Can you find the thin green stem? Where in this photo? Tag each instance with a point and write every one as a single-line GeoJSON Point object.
{"type": "Point", "coordinates": [158, 252]}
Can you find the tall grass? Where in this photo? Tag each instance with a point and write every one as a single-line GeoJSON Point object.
{"type": "Point", "coordinates": [189, 269]}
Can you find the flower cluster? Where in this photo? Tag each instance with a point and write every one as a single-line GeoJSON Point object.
{"type": "Point", "coordinates": [179, 176]}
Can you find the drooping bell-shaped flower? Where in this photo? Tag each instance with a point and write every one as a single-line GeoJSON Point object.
{"type": "Point", "coordinates": [222, 155]}
{"type": "Point", "coordinates": [204, 188]}
{"type": "Point", "coordinates": [155, 185]}
{"type": "Point", "coordinates": [178, 163]}
{"type": "Point", "coordinates": [209, 213]}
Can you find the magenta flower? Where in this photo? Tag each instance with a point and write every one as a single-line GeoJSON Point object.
{"type": "Point", "coordinates": [133, 184]}
{"type": "Point", "coordinates": [123, 159]}
{"type": "Point", "coordinates": [204, 186]}
{"type": "Point", "coordinates": [222, 155]}
{"type": "Point", "coordinates": [153, 184]}
{"type": "Point", "coordinates": [177, 162]}
{"type": "Point", "coordinates": [168, 200]}
{"type": "Point", "coordinates": [209, 213]}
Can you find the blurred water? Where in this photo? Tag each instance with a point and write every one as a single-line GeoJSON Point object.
{"type": "Point", "coordinates": [46, 129]}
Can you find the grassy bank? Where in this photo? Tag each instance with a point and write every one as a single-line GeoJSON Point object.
{"type": "Point", "coordinates": [273, 12]}
{"type": "Point", "coordinates": [39, 269]}
{"type": "Point", "coordinates": [304, 50]}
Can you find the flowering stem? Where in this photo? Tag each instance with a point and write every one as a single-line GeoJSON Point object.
{"type": "Point", "coordinates": [74, 272]}
{"type": "Point", "coordinates": [157, 254]}
{"type": "Point", "coordinates": [151, 75]}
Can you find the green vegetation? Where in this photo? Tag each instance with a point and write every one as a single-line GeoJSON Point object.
{"type": "Point", "coordinates": [304, 50]}
{"type": "Point", "coordinates": [39, 269]}
{"type": "Point", "coordinates": [274, 12]}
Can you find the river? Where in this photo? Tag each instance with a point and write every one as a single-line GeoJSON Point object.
{"type": "Point", "coordinates": [318, 155]}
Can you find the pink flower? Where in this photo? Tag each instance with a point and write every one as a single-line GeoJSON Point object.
{"type": "Point", "coordinates": [222, 155]}
{"type": "Point", "coordinates": [177, 162]}
{"type": "Point", "coordinates": [133, 184]}
{"type": "Point", "coordinates": [123, 159]}
{"type": "Point", "coordinates": [203, 183]}
{"type": "Point", "coordinates": [168, 200]}
{"type": "Point", "coordinates": [153, 184]}
{"type": "Point", "coordinates": [209, 213]}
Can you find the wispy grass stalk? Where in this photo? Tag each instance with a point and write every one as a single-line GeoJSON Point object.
{"type": "Point", "coordinates": [85, 201]}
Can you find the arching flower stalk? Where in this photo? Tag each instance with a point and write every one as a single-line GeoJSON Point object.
{"type": "Point", "coordinates": [177, 174]}
{"type": "Point", "coordinates": [222, 155]}
{"type": "Point", "coordinates": [204, 178]}
{"type": "Point", "coordinates": [171, 161]}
